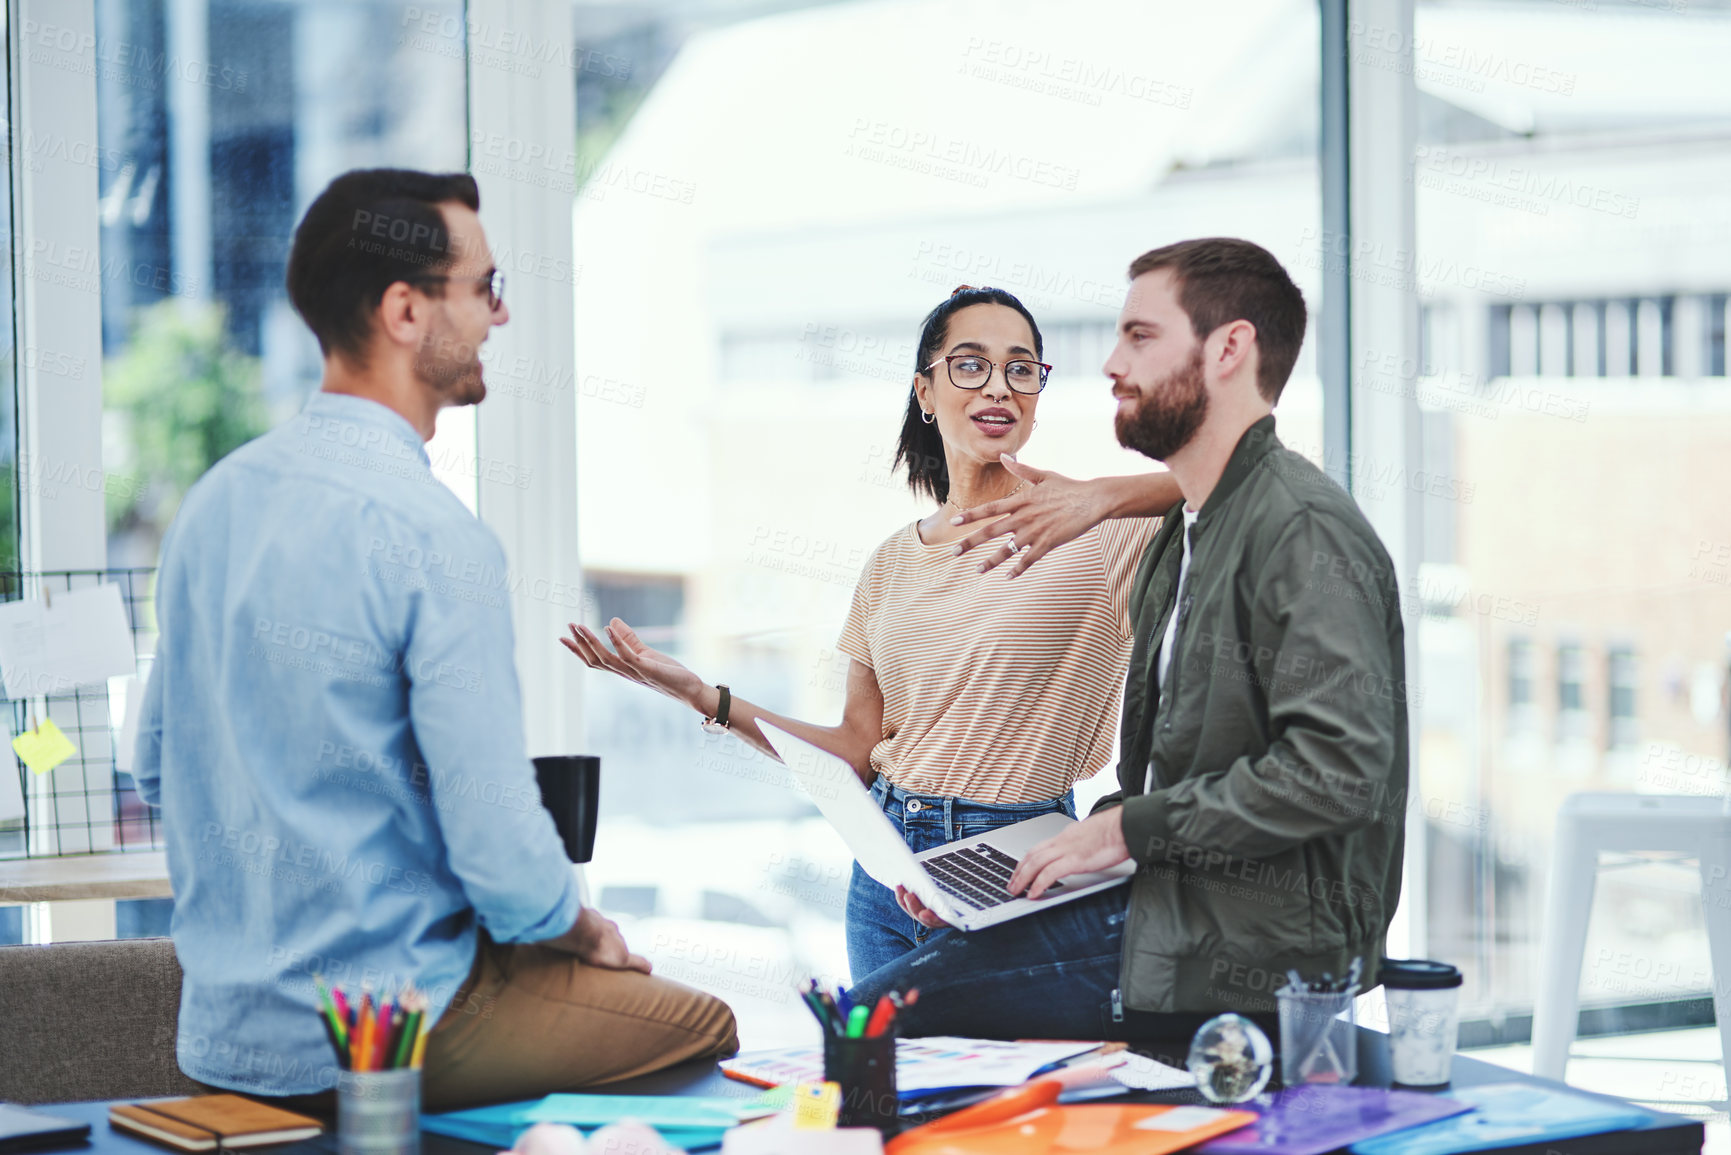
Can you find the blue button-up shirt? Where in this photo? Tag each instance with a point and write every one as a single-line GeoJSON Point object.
{"type": "Point", "coordinates": [333, 731]}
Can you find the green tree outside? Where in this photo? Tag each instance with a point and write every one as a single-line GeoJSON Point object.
{"type": "Point", "coordinates": [175, 400]}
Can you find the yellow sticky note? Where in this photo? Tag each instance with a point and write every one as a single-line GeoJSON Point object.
{"type": "Point", "coordinates": [44, 748]}
{"type": "Point", "coordinates": [815, 1106]}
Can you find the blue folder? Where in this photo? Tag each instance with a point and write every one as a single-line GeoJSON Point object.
{"type": "Point", "coordinates": [686, 1121]}
{"type": "Point", "coordinates": [1504, 1115]}
{"type": "Point", "coordinates": [1319, 1118]}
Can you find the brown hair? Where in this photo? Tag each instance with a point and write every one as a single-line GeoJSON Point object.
{"type": "Point", "coordinates": [1223, 279]}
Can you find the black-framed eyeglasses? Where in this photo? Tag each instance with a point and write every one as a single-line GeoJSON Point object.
{"type": "Point", "coordinates": [971, 371]}
{"type": "Point", "coordinates": [495, 282]}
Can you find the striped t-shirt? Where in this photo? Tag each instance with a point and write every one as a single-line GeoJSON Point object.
{"type": "Point", "coordinates": [995, 690]}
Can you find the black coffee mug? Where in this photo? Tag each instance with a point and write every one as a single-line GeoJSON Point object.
{"type": "Point", "coordinates": [571, 792]}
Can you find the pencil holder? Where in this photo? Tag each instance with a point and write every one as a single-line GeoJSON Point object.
{"type": "Point", "coordinates": [379, 1112]}
{"type": "Point", "coordinates": [865, 1069]}
{"type": "Point", "coordinates": [1318, 1036]}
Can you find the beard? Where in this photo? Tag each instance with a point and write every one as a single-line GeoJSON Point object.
{"type": "Point", "coordinates": [1168, 415]}
{"type": "Point", "coordinates": [451, 367]}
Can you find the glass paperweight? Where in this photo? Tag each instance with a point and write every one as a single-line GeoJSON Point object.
{"type": "Point", "coordinates": [1231, 1059]}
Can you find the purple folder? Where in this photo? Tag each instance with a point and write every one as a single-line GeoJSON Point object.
{"type": "Point", "coordinates": [1318, 1118]}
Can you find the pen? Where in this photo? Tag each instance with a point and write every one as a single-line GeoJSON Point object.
{"type": "Point", "coordinates": [856, 1022]}
{"type": "Point", "coordinates": [831, 1011]}
{"type": "Point", "coordinates": [881, 1016]}
{"type": "Point", "coordinates": [817, 1010]}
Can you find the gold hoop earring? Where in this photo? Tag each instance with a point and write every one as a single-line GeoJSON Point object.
{"type": "Point", "coordinates": [928, 418]}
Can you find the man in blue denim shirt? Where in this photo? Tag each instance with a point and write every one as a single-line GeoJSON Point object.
{"type": "Point", "coordinates": [332, 725]}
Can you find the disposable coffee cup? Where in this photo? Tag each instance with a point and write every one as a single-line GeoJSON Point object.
{"type": "Point", "coordinates": [1423, 1020]}
{"type": "Point", "coordinates": [379, 1112]}
{"type": "Point", "coordinates": [571, 792]}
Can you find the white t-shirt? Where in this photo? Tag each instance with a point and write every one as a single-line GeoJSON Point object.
{"type": "Point", "coordinates": [1166, 641]}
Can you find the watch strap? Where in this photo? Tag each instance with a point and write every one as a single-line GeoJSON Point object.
{"type": "Point", "coordinates": [723, 705]}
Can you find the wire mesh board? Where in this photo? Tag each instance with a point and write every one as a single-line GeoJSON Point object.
{"type": "Point", "coordinates": [87, 804]}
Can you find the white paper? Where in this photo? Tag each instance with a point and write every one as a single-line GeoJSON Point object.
{"type": "Point", "coordinates": [11, 791]}
{"type": "Point", "coordinates": [1181, 1119]}
{"type": "Point", "coordinates": [131, 693]}
{"type": "Point", "coordinates": [779, 1138]}
{"type": "Point", "coordinates": [81, 639]}
{"type": "Point", "coordinates": [1141, 1073]}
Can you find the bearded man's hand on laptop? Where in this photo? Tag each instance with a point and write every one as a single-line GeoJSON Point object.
{"type": "Point", "coordinates": [1095, 843]}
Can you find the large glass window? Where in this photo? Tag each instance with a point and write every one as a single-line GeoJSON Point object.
{"type": "Point", "coordinates": [219, 121]}
{"type": "Point", "coordinates": [758, 245]}
{"type": "Point", "coordinates": [1570, 225]}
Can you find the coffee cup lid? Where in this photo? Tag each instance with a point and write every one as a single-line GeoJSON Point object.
{"type": "Point", "coordinates": [1417, 974]}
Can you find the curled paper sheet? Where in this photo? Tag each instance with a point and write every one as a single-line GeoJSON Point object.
{"type": "Point", "coordinates": [629, 1138]}
{"type": "Point", "coordinates": [550, 1139]}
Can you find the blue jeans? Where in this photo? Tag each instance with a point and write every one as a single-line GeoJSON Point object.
{"type": "Point", "coordinates": [878, 930]}
{"type": "Point", "coordinates": [1049, 975]}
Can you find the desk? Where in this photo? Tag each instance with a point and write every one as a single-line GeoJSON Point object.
{"type": "Point", "coordinates": [1663, 1135]}
{"type": "Point", "coordinates": [83, 876]}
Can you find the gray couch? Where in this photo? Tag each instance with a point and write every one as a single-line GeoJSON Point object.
{"type": "Point", "coordinates": [89, 1020]}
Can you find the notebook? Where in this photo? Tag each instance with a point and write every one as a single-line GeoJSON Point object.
{"type": "Point", "coordinates": [24, 1130]}
{"type": "Point", "coordinates": [1504, 1114]}
{"type": "Point", "coordinates": [1320, 1118]}
{"type": "Point", "coordinates": [1030, 1121]}
{"type": "Point", "coordinates": [212, 1122]}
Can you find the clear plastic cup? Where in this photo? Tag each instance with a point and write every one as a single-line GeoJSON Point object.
{"type": "Point", "coordinates": [1423, 1020]}
{"type": "Point", "coordinates": [1318, 1036]}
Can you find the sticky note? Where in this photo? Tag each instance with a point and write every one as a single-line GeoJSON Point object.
{"type": "Point", "coordinates": [44, 748]}
{"type": "Point", "coordinates": [816, 1106]}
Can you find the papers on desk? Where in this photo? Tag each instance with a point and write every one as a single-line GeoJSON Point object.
{"type": "Point", "coordinates": [1140, 1073]}
{"type": "Point", "coordinates": [923, 1066]}
{"type": "Point", "coordinates": [80, 639]}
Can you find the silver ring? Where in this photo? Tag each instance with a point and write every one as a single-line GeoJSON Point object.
{"type": "Point", "coordinates": [1012, 543]}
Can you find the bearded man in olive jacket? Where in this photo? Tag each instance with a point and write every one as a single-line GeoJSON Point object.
{"type": "Point", "coordinates": [1263, 770]}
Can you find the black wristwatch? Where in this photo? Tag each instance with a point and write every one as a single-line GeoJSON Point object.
{"type": "Point", "coordinates": [718, 724]}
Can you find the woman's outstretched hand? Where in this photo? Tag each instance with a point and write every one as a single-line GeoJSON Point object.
{"type": "Point", "coordinates": [1050, 511]}
{"type": "Point", "coordinates": [631, 659]}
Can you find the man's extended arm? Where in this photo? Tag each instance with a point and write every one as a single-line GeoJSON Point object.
{"type": "Point", "coordinates": [467, 716]}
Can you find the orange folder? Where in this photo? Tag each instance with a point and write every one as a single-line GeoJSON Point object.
{"type": "Point", "coordinates": [1028, 1121]}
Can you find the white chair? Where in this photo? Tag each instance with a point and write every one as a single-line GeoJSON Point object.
{"type": "Point", "coordinates": [1697, 826]}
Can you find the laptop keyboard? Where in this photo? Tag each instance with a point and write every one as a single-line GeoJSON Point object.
{"type": "Point", "coordinates": [976, 875]}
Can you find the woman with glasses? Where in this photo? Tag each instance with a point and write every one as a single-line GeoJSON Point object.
{"type": "Point", "coordinates": [973, 700]}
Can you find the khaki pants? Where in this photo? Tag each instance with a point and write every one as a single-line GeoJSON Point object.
{"type": "Point", "coordinates": [531, 1021]}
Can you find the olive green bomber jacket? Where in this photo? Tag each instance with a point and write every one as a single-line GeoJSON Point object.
{"type": "Point", "coordinates": [1264, 795]}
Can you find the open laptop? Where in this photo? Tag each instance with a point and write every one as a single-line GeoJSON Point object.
{"type": "Point", "coordinates": [963, 882]}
